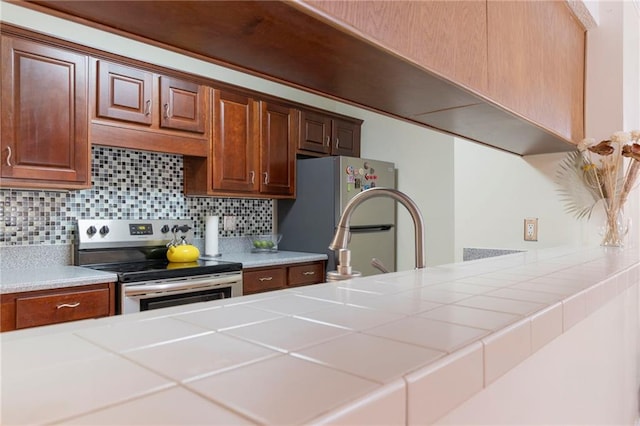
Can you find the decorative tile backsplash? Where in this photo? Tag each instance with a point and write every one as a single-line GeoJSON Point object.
{"type": "Point", "coordinates": [126, 184]}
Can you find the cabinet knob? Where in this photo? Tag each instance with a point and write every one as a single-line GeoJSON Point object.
{"type": "Point", "coordinates": [147, 110]}
{"type": "Point", "coordinates": [265, 278]}
{"type": "Point", "coordinates": [266, 178]}
{"type": "Point", "coordinates": [308, 273]}
{"type": "Point", "coordinates": [337, 142]}
{"type": "Point", "coordinates": [328, 141]}
{"type": "Point", "coordinates": [253, 176]}
{"type": "Point", "coordinates": [166, 110]}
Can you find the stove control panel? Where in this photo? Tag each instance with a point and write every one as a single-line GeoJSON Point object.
{"type": "Point", "coordinates": [113, 233]}
{"type": "Point", "coordinates": [141, 229]}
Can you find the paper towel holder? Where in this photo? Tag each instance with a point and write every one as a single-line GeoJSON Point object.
{"type": "Point", "coordinates": [211, 238]}
{"type": "Point", "coordinates": [210, 256]}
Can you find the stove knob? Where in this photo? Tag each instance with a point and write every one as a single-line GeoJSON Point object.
{"type": "Point", "coordinates": [104, 230]}
{"type": "Point", "coordinates": [91, 231]}
{"type": "Point", "coordinates": [165, 229]}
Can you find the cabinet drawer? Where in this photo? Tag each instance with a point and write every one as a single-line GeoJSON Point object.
{"type": "Point", "coordinates": [263, 279]}
{"type": "Point", "coordinates": [306, 274]}
{"type": "Point", "coordinates": [56, 308]}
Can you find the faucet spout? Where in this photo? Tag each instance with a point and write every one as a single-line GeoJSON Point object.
{"type": "Point", "coordinates": [341, 237]}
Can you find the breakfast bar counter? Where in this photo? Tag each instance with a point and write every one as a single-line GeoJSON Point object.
{"type": "Point", "coordinates": [399, 348]}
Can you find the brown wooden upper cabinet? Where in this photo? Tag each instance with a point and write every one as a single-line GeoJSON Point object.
{"type": "Point", "coordinates": [536, 63]}
{"type": "Point", "coordinates": [446, 37]}
{"type": "Point", "coordinates": [139, 109]}
{"type": "Point", "coordinates": [278, 140]}
{"type": "Point", "coordinates": [124, 93]}
{"type": "Point", "coordinates": [235, 157]}
{"type": "Point", "coordinates": [523, 56]}
{"type": "Point", "coordinates": [323, 134]}
{"type": "Point", "coordinates": [181, 105]}
{"type": "Point", "coordinates": [253, 149]}
{"type": "Point", "coordinates": [45, 140]}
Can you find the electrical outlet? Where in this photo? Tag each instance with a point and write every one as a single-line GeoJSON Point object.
{"type": "Point", "coordinates": [531, 229]}
{"type": "Point", "coordinates": [229, 223]}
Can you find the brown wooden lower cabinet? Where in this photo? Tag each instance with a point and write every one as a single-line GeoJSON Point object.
{"type": "Point", "coordinates": [44, 307]}
{"type": "Point", "coordinates": [257, 280]}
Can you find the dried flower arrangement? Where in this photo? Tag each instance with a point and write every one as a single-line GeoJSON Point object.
{"type": "Point", "coordinates": [596, 173]}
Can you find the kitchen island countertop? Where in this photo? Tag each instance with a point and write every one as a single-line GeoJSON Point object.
{"type": "Point", "coordinates": [396, 348]}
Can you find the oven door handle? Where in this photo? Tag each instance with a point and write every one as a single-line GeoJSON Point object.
{"type": "Point", "coordinates": [205, 283]}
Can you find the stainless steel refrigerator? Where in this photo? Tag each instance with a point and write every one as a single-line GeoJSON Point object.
{"type": "Point", "coordinates": [323, 187]}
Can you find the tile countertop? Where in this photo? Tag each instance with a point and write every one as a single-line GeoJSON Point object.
{"type": "Point", "coordinates": [14, 280]}
{"type": "Point", "coordinates": [398, 348]}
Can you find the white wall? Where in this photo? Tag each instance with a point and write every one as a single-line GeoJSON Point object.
{"type": "Point", "coordinates": [496, 191]}
{"type": "Point", "coordinates": [612, 92]}
{"type": "Point", "coordinates": [631, 92]}
{"type": "Point", "coordinates": [470, 195]}
{"type": "Point", "coordinates": [425, 160]}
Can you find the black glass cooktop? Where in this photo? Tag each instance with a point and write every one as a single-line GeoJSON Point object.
{"type": "Point", "coordinates": [163, 269]}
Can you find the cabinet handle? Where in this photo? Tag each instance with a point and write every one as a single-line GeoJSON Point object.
{"type": "Point", "coordinates": [9, 153]}
{"type": "Point", "coordinates": [308, 273]}
{"type": "Point", "coordinates": [147, 110]}
{"type": "Point", "coordinates": [68, 305]}
{"type": "Point", "coordinates": [328, 140]}
{"type": "Point", "coordinates": [166, 110]}
{"type": "Point", "coordinates": [337, 142]}
{"type": "Point", "coordinates": [253, 177]}
{"type": "Point", "coordinates": [266, 178]}
{"type": "Point", "coordinates": [265, 278]}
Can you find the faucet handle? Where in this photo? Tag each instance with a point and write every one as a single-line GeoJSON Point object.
{"type": "Point", "coordinates": [376, 263]}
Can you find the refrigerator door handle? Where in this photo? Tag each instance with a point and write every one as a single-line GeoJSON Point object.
{"type": "Point", "coordinates": [355, 229]}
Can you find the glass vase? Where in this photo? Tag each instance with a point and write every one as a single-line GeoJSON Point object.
{"type": "Point", "coordinates": [615, 229]}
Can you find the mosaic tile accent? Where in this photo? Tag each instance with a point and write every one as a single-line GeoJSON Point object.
{"type": "Point", "coordinates": [126, 184]}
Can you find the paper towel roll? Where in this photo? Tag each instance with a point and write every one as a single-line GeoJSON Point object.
{"type": "Point", "coordinates": [211, 236]}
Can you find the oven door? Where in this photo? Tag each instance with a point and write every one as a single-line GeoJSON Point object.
{"type": "Point", "coordinates": [148, 295]}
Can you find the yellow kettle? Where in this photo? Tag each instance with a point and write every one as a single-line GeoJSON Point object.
{"type": "Point", "coordinates": [183, 252]}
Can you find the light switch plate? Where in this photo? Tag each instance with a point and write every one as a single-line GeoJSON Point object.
{"type": "Point", "coordinates": [531, 229]}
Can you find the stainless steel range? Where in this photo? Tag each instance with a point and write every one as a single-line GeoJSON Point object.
{"type": "Point", "coordinates": [136, 251]}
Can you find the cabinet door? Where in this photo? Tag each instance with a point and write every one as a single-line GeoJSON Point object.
{"type": "Point", "coordinates": [45, 139]}
{"type": "Point", "coordinates": [182, 105]}
{"type": "Point", "coordinates": [315, 132]}
{"type": "Point", "coordinates": [264, 279]}
{"type": "Point", "coordinates": [345, 138]}
{"type": "Point", "coordinates": [235, 149]}
{"type": "Point", "coordinates": [277, 145]}
{"type": "Point", "coordinates": [52, 309]}
{"type": "Point", "coordinates": [124, 93]}
{"type": "Point", "coordinates": [310, 273]}
{"type": "Point", "coordinates": [448, 37]}
{"type": "Point", "coordinates": [536, 63]}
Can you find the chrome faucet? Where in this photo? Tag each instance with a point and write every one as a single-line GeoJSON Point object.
{"type": "Point", "coordinates": [341, 238]}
